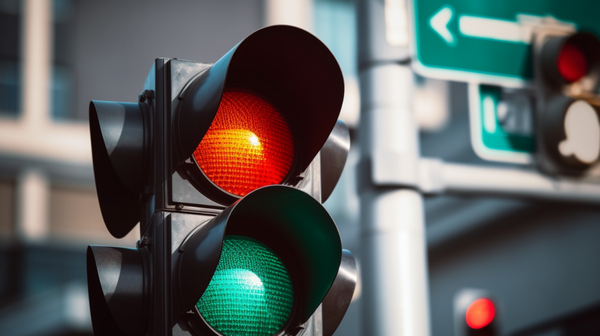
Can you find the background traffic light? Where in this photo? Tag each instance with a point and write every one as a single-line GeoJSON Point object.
{"type": "Point", "coordinates": [475, 313]}
{"type": "Point", "coordinates": [567, 74]}
{"type": "Point", "coordinates": [219, 163]}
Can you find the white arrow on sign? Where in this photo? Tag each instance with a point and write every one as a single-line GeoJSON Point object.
{"type": "Point", "coordinates": [439, 22]}
{"type": "Point", "coordinates": [519, 31]}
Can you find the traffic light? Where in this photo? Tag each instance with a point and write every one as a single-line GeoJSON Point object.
{"type": "Point", "coordinates": [567, 74]}
{"type": "Point", "coordinates": [220, 165]}
{"type": "Point", "coordinates": [475, 313]}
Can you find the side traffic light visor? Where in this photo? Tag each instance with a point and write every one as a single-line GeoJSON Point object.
{"type": "Point", "coordinates": [120, 144]}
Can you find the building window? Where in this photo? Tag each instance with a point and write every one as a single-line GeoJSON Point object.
{"type": "Point", "coordinates": [10, 70]}
{"type": "Point", "coordinates": [61, 93]}
{"type": "Point", "coordinates": [61, 80]}
{"type": "Point", "coordinates": [10, 88]}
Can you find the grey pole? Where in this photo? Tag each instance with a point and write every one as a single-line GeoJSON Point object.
{"type": "Point", "coordinates": [394, 269]}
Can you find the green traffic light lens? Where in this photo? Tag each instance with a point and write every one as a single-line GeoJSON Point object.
{"type": "Point", "coordinates": [251, 291]}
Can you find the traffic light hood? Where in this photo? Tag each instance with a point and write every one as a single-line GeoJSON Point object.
{"type": "Point", "coordinates": [119, 135]}
{"type": "Point", "coordinates": [333, 158]}
{"type": "Point", "coordinates": [287, 220]}
{"type": "Point", "coordinates": [559, 52]}
{"type": "Point", "coordinates": [290, 68]}
{"type": "Point", "coordinates": [339, 297]}
{"type": "Point", "coordinates": [116, 286]}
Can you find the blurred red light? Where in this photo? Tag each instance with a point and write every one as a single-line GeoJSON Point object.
{"type": "Point", "coordinates": [248, 145]}
{"type": "Point", "coordinates": [572, 63]}
{"type": "Point", "coordinates": [480, 313]}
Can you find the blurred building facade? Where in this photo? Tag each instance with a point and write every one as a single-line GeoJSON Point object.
{"type": "Point", "coordinates": [538, 258]}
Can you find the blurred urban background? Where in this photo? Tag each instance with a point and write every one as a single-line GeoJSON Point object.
{"type": "Point", "coordinates": [539, 259]}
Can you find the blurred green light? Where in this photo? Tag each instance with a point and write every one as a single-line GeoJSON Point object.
{"type": "Point", "coordinates": [251, 291]}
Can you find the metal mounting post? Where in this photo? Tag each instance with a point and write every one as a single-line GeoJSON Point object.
{"type": "Point", "coordinates": [394, 263]}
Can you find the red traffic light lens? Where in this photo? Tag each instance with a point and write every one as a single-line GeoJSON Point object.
{"type": "Point", "coordinates": [572, 63]}
{"type": "Point", "coordinates": [480, 313]}
{"type": "Point", "coordinates": [248, 145]}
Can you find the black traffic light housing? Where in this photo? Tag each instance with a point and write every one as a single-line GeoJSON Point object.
{"type": "Point", "coordinates": [567, 80]}
{"type": "Point", "coordinates": [145, 172]}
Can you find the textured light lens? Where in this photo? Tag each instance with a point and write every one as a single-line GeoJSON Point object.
{"type": "Point", "coordinates": [248, 145]}
{"type": "Point", "coordinates": [251, 291]}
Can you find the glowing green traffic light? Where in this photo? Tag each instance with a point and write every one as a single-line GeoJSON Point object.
{"type": "Point", "coordinates": [251, 291]}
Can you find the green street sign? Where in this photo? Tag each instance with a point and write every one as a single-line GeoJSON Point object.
{"type": "Point", "coordinates": [489, 41]}
{"type": "Point", "coordinates": [501, 123]}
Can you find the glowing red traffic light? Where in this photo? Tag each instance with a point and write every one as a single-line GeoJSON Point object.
{"type": "Point", "coordinates": [572, 63]}
{"type": "Point", "coordinates": [248, 145]}
{"type": "Point", "coordinates": [480, 313]}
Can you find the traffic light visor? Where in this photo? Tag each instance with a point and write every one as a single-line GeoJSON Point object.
{"type": "Point", "coordinates": [120, 142]}
{"type": "Point", "coordinates": [116, 285]}
{"type": "Point", "coordinates": [280, 90]}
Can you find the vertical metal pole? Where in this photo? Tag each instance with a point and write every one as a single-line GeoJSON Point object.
{"type": "Point", "coordinates": [394, 269]}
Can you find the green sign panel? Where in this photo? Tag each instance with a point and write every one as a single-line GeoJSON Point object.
{"type": "Point", "coordinates": [501, 124]}
{"type": "Point", "coordinates": [489, 41]}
